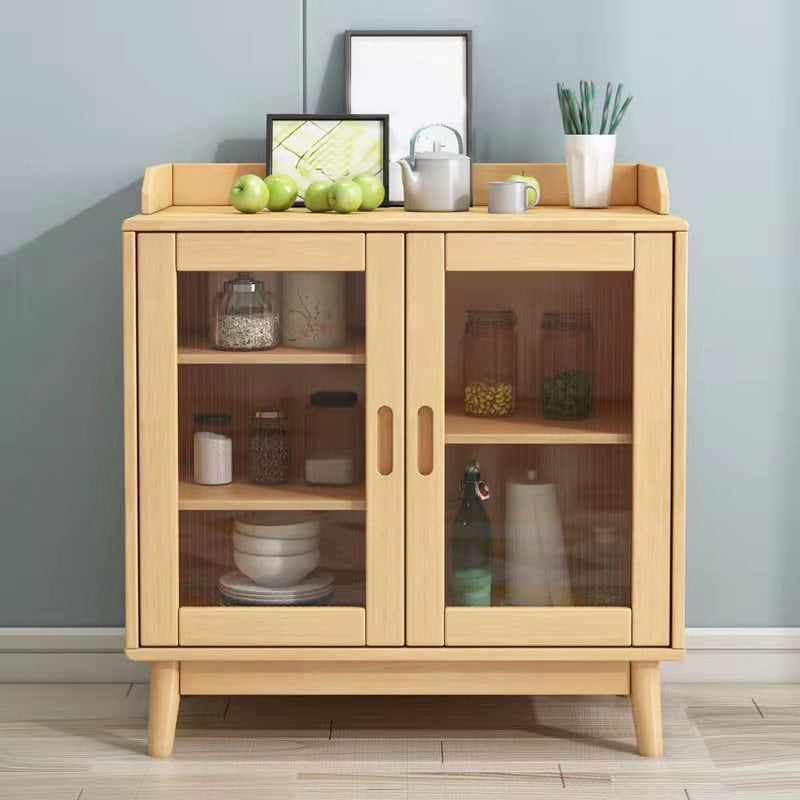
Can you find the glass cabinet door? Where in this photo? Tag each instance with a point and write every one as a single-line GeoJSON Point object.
{"type": "Point", "coordinates": [539, 477]}
{"type": "Point", "coordinates": [287, 447]}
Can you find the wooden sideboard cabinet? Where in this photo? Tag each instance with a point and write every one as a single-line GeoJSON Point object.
{"type": "Point", "coordinates": [588, 602]}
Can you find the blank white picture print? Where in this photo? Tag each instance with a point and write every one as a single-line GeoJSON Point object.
{"type": "Point", "coordinates": [418, 80]}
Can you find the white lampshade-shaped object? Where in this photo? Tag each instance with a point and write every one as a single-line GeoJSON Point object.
{"type": "Point", "coordinates": [536, 563]}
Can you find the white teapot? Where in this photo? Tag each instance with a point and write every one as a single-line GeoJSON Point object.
{"type": "Point", "coordinates": [436, 181]}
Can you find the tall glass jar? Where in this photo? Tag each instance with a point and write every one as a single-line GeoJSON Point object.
{"type": "Point", "coordinates": [269, 448]}
{"type": "Point", "coordinates": [567, 364]}
{"type": "Point", "coordinates": [244, 316]}
{"type": "Point", "coordinates": [490, 363]}
{"type": "Point", "coordinates": [332, 436]}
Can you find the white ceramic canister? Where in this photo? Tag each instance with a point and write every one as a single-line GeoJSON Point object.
{"type": "Point", "coordinates": [590, 168]}
{"type": "Point", "coordinates": [314, 309]}
{"type": "Point", "coordinates": [536, 563]}
{"type": "Point", "coordinates": [213, 458]}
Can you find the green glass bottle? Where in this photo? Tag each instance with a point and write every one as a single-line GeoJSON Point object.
{"type": "Point", "coordinates": [472, 543]}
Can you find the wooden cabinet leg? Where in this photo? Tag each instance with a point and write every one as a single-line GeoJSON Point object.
{"type": "Point", "coordinates": [164, 701]}
{"type": "Point", "coordinates": [646, 702]}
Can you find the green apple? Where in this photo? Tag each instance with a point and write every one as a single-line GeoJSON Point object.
{"type": "Point", "coordinates": [345, 196]}
{"type": "Point", "coordinates": [535, 192]}
{"type": "Point", "coordinates": [249, 194]}
{"type": "Point", "coordinates": [316, 197]}
{"type": "Point", "coordinates": [282, 192]}
{"type": "Point", "coordinates": [372, 190]}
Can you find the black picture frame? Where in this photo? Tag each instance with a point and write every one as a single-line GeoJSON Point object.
{"type": "Point", "coordinates": [467, 134]}
{"type": "Point", "coordinates": [382, 119]}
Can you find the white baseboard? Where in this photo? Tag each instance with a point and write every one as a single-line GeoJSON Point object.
{"type": "Point", "coordinates": [94, 655]}
{"type": "Point", "coordinates": [67, 655]}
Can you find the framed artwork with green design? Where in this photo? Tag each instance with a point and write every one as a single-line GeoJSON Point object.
{"type": "Point", "coordinates": [327, 147]}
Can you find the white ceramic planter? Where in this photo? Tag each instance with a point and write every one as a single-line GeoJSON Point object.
{"type": "Point", "coordinates": [590, 168]}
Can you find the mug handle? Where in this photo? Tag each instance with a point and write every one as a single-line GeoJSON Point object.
{"type": "Point", "coordinates": [529, 188]}
{"type": "Point", "coordinates": [528, 204]}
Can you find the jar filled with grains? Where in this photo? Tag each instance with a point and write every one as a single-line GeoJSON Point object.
{"type": "Point", "coordinates": [269, 448]}
{"type": "Point", "coordinates": [244, 316]}
{"type": "Point", "coordinates": [567, 360]}
{"type": "Point", "coordinates": [490, 363]}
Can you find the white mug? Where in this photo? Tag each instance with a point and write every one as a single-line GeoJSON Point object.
{"type": "Point", "coordinates": [509, 197]}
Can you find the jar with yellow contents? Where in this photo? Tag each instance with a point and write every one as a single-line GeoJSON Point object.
{"type": "Point", "coordinates": [490, 363]}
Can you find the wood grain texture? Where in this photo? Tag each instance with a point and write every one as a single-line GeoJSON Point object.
{"type": "Point", "coordinates": [215, 252]}
{"type": "Point", "coordinates": [425, 565]}
{"type": "Point", "coordinates": [646, 704]}
{"type": "Point", "coordinates": [404, 654]}
{"type": "Point", "coordinates": [610, 423]}
{"type": "Point", "coordinates": [208, 184]}
{"type": "Point", "coordinates": [284, 497]}
{"type": "Point", "coordinates": [539, 252]}
{"type": "Point", "coordinates": [66, 740]}
{"type": "Point", "coordinates": [157, 188]}
{"type": "Point", "coordinates": [243, 626]}
{"type": "Point", "coordinates": [164, 702]}
{"type": "Point", "coordinates": [537, 627]}
{"type": "Point", "coordinates": [553, 182]}
{"type": "Point", "coordinates": [201, 352]}
{"type": "Point", "coordinates": [131, 462]}
{"type": "Point", "coordinates": [652, 440]}
{"type": "Point", "coordinates": [158, 439]}
{"type": "Point", "coordinates": [679, 366]}
{"type": "Point", "coordinates": [385, 315]}
{"type": "Point", "coordinates": [209, 677]}
{"type": "Point", "coordinates": [653, 192]}
{"type": "Point", "coordinates": [554, 219]}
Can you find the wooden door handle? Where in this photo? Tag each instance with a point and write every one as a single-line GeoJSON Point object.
{"type": "Point", "coordinates": [385, 439]}
{"type": "Point", "coordinates": [425, 440]}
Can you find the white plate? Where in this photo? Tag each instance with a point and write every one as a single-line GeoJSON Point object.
{"type": "Point", "coordinates": [278, 525]}
{"type": "Point", "coordinates": [238, 586]}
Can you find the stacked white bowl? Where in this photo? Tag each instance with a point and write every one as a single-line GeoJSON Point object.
{"type": "Point", "coordinates": [276, 550]}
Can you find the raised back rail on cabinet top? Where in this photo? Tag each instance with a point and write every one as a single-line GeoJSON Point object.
{"type": "Point", "coordinates": [188, 197]}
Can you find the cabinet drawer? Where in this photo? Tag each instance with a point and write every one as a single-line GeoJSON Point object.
{"type": "Point", "coordinates": [272, 627]}
{"type": "Point", "coordinates": [542, 252]}
{"type": "Point", "coordinates": [329, 252]}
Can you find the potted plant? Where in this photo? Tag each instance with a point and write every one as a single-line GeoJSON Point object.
{"type": "Point", "coordinates": [590, 156]}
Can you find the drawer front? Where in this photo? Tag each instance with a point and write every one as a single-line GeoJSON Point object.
{"type": "Point", "coordinates": [329, 252]}
{"type": "Point", "coordinates": [533, 252]}
{"type": "Point", "coordinates": [272, 627]}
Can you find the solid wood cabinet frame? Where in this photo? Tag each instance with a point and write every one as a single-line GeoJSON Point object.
{"type": "Point", "coordinates": [405, 639]}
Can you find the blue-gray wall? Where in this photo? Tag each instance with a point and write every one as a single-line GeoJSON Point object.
{"type": "Point", "coordinates": [94, 91]}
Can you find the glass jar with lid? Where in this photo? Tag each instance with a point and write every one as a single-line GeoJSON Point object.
{"type": "Point", "coordinates": [567, 364]}
{"type": "Point", "coordinates": [244, 316]}
{"type": "Point", "coordinates": [269, 448]}
{"type": "Point", "coordinates": [216, 422]}
{"type": "Point", "coordinates": [490, 363]}
{"type": "Point", "coordinates": [332, 439]}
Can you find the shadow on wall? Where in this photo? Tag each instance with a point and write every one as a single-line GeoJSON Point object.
{"type": "Point", "coordinates": [62, 421]}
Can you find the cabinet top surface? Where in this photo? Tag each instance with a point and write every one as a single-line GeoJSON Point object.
{"type": "Point", "coordinates": [543, 218]}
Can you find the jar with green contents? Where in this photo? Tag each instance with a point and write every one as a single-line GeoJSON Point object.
{"type": "Point", "coordinates": [567, 364]}
{"type": "Point", "coordinates": [490, 363]}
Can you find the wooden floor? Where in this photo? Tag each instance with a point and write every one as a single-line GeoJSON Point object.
{"type": "Point", "coordinates": [87, 742]}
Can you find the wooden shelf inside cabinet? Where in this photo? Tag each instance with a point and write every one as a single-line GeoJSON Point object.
{"type": "Point", "coordinates": [199, 352]}
{"type": "Point", "coordinates": [610, 423]}
{"type": "Point", "coordinates": [287, 497]}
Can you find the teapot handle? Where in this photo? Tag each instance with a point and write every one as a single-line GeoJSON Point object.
{"type": "Point", "coordinates": [413, 145]}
